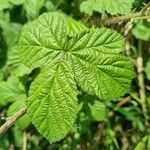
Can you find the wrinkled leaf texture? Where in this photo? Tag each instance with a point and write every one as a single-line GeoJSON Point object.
{"type": "Point", "coordinates": [70, 55]}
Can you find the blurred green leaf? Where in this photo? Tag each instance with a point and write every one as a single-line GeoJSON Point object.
{"type": "Point", "coordinates": [148, 101]}
{"type": "Point", "coordinates": [148, 143]}
{"type": "Point", "coordinates": [4, 143]}
{"type": "Point", "coordinates": [17, 136]}
{"type": "Point", "coordinates": [110, 6]}
{"type": "Point", "coordinates": [147, 70]}
{"type": "Point", "coordinates": [142, 144]}
{"type": "Point", "coordinates": [1, 75]}
{"type": "Point", "coordinates": [17, 2]}
{"type": "Point", "coordinates": [17, 68]}
{"type": "Point", "coordinates": [10, 30]}
{"type": "Point", "coordinates": [141, 30]}
{"type": "Point", "coordinates": [98, 111]}
{"type": "Point", "coordinates": [11, 90]}
{"type": "Point", "coordinates": [4, 4]}
{"type": "Point", "coordinates": [32, 8]}
{"type": "Point", "coordinates": [50, 6]}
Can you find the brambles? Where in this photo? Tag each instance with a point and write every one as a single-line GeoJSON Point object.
{"type": "Point", "coordinates": [89, 58]}
{"type": "Point", "coordinates": [71, 78]}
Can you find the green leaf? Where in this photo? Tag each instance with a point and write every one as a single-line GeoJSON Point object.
{"type": "Point", "coordinates": [74, 27]}
{"type": "Point", "coordinates": [10, 30]}
{"type": "Point", "coordinates": [17, 68]}
{"type": "Point", "coordinates": [11, 90]}
{"type": "Point", "coordinates": [147, 70]}
{"type": "Point", "coordinates": [90, 56]}
{"type": "Point", "coordinates": [52, 102]}
{"type": "Point", "coordinates": [148, 143]}
{"type": "Point", "coordinates": [4, 4]}
{"type": "Point", "coordinates": [4, 142]}
{"type": "Point", "coordinates": [142, 143]}
{"type": "Point", "coordinates": [24, 121]}
{"type": "Point", "coordinates": [1, 75]}
{"type": "Point", "coordinates": [141, 30]}
{"type": "Point", "coordinates": [97, 64]}
{"type": "Point", "coordinates": [17, 2]}
{"type": "Point", "coordinates": [49, 5]}
{"type": "Point", "coordinates": [98, 111]}
{"type": "Point", "coordinates": [32, 8]}
{"type": "Point", "coordinates": [47, 45]}
{"type": "Point", "coordinates": [110, 6]}
{"type": "Point", "coordinates": [17, 136]}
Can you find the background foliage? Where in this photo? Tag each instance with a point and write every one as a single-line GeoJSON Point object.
{"type": "Point", "coordinates": [121, 123]}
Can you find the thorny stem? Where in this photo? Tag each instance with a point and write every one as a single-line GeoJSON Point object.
{"type": "Point", "coordinates": [11, 120]}
{"type": "Point", "coordinates": [118, 19]}
{"type": "Point", "coordinates": [143, 14]}
{"type": "Point", "coordinates": [141, 81]}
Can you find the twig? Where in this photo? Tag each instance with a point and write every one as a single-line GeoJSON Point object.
{"type": "Point", "coordinates": [141, 81]}
{"type": "Point", "coordinates": [99, 132]}
{"type": "Point", "coordinates": [139, 15]}
{"type": "Point", "coordinates": [11, 147]}
{"type": "Point", "coordinates": [24, 144]}
{"type": "Point", "coordinates": [128, 28]}
{"type": "Point", "coordinates": [117, 19]}
{"type": "Point", "coordinates": [11, 120]}
{"type": "Point", "coordinates": [122, 102]}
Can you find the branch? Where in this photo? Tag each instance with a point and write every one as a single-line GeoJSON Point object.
{"type": "Point", "coordinates": [116, 20]}
{"type": "Point", "coordinates": [24, 144]}
{"type": "Point", "coordinates": [122, 102]}
{"type": "Point", "coordinates": [141, 81]}
{"type": "Point", "coordinates": [11, 120]}
{"type": "Point", "coordinates": [143, 14]}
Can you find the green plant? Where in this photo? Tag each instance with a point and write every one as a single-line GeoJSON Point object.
{"type": "Point", "coordinates": [110, 6]}
{"type": "Point", "coordinates": [74, 74]}
{"type": "Point", "coordinates": [70, 57]}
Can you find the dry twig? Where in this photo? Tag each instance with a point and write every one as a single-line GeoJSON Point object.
{"type": "Point", "coordinates": [141, 81]}
{"type": "Point", "coordinates": [24, 144]}
{"type": "Point", "coordinates": [11, 120]}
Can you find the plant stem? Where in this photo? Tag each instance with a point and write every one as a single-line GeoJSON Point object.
{"type": "Point", "coordinates": [138, 15]}
{"type": "Point", "coordinates": [122, 102]}
{"type": "Point", "coordinates": [11, 120]}
{"type": "Point", "coordinates": [117, 19]}
{"type": "Point", "coordinates": [24, 144]}
{"type": "Point", "coordinates": [141, 81]}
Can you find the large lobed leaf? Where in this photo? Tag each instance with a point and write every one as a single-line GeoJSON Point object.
{"type": "Point", "coordinates": [89, 58]}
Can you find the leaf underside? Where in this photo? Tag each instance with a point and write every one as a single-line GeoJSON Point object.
{"type": "Point", "coordinates": [70, 54]}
